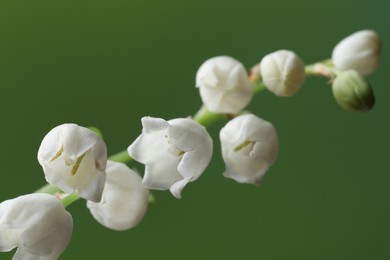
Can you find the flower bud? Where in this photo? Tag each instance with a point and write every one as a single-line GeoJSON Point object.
{"type": "Point", "coordinates": [359, 51]}
{"type": "Point", "coordinates": [124, 200]}
{"type": "Point", "coordinates": [37, 224]}
{"type": "Point", "coordinates": [352, 92]}
{"type": "Point", "coordinates": [174, 152]}
{"type": "Point", "coordinates": [282, 72]}
{"type": "Point", "coordinates": [74, 159]}
{"type": "Point", "coordinates": [250, 146]}
{"type": "Point", "coordinates": [224, 85]}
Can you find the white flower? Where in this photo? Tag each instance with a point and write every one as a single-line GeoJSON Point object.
{"type": "Point", "coordinates": [124, 201]}
{"type": "Point", "coordinates": [174, 152]}
{"type": "Point", "coordinates": [74, 159]}
{"type": "Point", "coordinates": [224, 85]}
{"type": "Point", "coordinates": [250, 146]}
{"type": "Point", "coordinates": [359, 51]}
{"type": "Point", "coordinates": [37, 224]}
{"type": "Point", "coordinates": [282, 72]}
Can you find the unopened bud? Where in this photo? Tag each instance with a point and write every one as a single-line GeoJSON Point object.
{"type": "Point", "coordinates": [359, 51]}
{"type": "Point", "coordinates": [282, 72]}
{"type": "Point", "coordinates": [224, 85]}
{"type": "Point", "coordinates": [352, 92]}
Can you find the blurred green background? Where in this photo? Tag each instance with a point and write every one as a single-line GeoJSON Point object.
{"type": "Point", "coordinates": [108, 63]}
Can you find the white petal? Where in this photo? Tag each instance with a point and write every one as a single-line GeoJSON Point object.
{"type": "Point", "coordinates": [37, 224]}
{"type": "Point", "coordinates": [50, 145]}
{"type": "Point", "coordinates": [173, 155]}
{"type": "Point", "coordinates": [152, 149]}
{"type": "Point", "coordinates": [151, 124]}
{"type": "Point", "coordinates": [76, 141]}
{"type": "Point", "coordinates": [283, 72]}
{"type": "Point", "coordinates": [124, 201]}
{"type": "Point", "coordinates": [191, 138]}
{"type": "Point", "coordinates": [360, 51]}
{"type": "Point", "coordinates": [178, 187]}
{"type": "Point", "coordinates": [197, 145]}
{"type": "Point", "coordinates": [249, 147]}
{"type": "Point", "coordinates": [224, 85]}
{"type": "Point", "coordinates": [74, 159]}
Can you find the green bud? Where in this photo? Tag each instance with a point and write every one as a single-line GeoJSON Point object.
{"type": "Point", "coordinates": [352, 92]}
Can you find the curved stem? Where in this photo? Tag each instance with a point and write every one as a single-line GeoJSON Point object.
{"type": "Point", "coordinates": [69, 199]}
{"type": "Point", "coordinates": [207, 118]}
{"type": "Point", "coordinates": [258, 86]}
{"type": "Point", "coordinates": [324, 68]}
{"type": "Point", "coordinates": [122, 156]}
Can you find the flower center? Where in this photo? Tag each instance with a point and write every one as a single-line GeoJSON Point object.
{"type": "Point", "coordinates": [246, 147]}
{"type": "Point", "coordinates": [77, 165]}
{"type": "Point", "coordinates": [58, 154]}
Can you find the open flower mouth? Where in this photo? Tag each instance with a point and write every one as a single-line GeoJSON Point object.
{"type": "Point", "coordinates": [77, 165]}
{"type": "Point", "coordinates": [246, 147]}
{"type": "Point", "coordinates": [58, 154]}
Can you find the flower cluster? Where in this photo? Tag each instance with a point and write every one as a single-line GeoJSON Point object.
{"type": "Point", "coordinates": [175, 152]}
{"type": "Point", "coordinates": [356, 56]}
{"type": "Point", "coordinates": [74, 159]}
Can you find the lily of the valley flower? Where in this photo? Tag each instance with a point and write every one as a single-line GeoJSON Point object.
{"type": "Point", "coordinates": [282, 72]}
{"type": "Point", "coordinates": [37, 224]}
{"type": "Point", "coordinates": [224, 85]}
{"type": "Point", "coordinates": [74, 159]}
{"type": "Point", "coordinates": [360, 51]}
{"type": "Point", "coordinates": [250, 146]}
{"type": "Point", "coordinates": [124, 201]}
{"type": "Point", "coordinates": [175, 152]}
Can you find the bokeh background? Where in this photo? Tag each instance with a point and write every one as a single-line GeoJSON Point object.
{"type": "Point", "coordinates": [109, 63]}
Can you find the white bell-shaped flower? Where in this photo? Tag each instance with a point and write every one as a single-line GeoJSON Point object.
{"type": "Point", "coordinates": [250, 146]}
{"type": "Point", "coordinates": [282, 72]}
{"type": "Point", "coordinates": [124, 201]}
{"type": "Point", "coordinates": [74, 159]}
{"type": "Point", "coordinates": [224, 85]}
{"type": "Point", "coordinates": [37, 224]}
{"type": "Point", "coordinates": [174, 152]}
{"type": "Point", "coordinates": [359, 51]}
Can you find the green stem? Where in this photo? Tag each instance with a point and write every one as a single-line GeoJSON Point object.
{"type": "Point", "coordinates": [69, 199]}
{"type": "Point", "coordinates": [258, 86]}
{"type": "Point", "coordinates": [152, 199]}
{"type": "Point", "coordinates": [122, 156]}
{"type": "Point", "coordinates": [324, 68]}
{"type": "Point", "coordinates": [207, 118]}
{"type": "Point", "coordinates": [49, 189]}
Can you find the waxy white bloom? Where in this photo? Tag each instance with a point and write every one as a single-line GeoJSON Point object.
{"type": "Point", "coordinates": [359, 51]}
{"type": "Point", "coordinates": [282, 72]}
{"type": "Point", "coordinates": [124, 201]}
{"type": "Point", "coordinates": [250, 146]}
{"type": "Point", "coordinates": [224, 85]}
{"type": "Point", "coordinates": [74, 159]}
{"type": "Point", "coordinates": [174, 152]}
{"type": "Point", "coordinates": [37, 224]}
